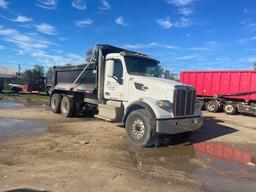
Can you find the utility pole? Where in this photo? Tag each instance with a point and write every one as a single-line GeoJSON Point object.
{"type": "Point", "coordinates": [19, 69]}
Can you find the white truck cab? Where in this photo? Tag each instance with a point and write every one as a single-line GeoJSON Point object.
{"type": "Point", "coordinates": [130, 90]}
{"type": "Point", "coordinates": [135, 81]}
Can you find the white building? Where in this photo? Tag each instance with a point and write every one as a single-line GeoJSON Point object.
{"type": "Point", "coordinates": [7, 75]}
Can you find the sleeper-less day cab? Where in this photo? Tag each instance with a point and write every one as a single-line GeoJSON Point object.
{"type": "Point", "coordinates": [119, 85]}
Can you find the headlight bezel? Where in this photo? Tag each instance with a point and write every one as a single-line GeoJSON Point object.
{"type": "Point", "coordinates": [164, 104]}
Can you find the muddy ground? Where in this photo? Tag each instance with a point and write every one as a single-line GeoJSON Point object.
{"type": "Point", "coordinates": [42, 151]}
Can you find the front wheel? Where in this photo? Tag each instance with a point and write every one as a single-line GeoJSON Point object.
{"type": "Point", "coordinates": [140, 127]}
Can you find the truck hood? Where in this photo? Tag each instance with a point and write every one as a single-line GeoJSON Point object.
{"type": "Point", "coordinates": [158, 88]}
{"type": "Point", "coordinates": [154, 81]}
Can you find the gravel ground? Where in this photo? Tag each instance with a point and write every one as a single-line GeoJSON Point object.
{"type": "Point", "coordinates": [88, 154]}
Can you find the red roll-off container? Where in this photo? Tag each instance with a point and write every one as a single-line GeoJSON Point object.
{"type": "Point", "coordinates": [230, 84]}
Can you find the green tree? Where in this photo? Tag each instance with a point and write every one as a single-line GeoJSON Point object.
{"type": "Point", "coordinates": [254, 65]}
{"type": "Point", "coordinates": [174, 76]}
{"type": "Point", "coordinates": [49, 71]}
{"type": "Point", "coordinates": [171, 76]}
{"type": "Point", "coordinates": [34, 74]}
{"type": "Point", "coordinates": [161, 71]}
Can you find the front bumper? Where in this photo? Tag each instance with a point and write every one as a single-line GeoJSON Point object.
{"type": "Point", "coordinates": [173, 126]}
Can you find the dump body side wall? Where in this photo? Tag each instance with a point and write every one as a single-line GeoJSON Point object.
{"type": "Point", "coordinates": [210, 83]}
{"type": "Point", "coordinates": [64, 78]}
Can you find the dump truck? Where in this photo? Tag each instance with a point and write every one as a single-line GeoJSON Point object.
{"type": "Point", "coordinates": [124, 86]}
{"type": "Point", "coordinates": [231, 91]}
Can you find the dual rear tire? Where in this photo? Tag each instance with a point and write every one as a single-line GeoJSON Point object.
{"type": "Point", "coordinates": [67, 106]}
{"type": "Point", "coordinates": [62, 104]}
{"type": "Point", "coordinates": [55, 102]}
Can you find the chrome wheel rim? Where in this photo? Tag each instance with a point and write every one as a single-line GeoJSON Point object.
{"type": "Point", "coordinates": [211, 106]}
{"type": "Point", "coordinates": [138, 129]}
{"type": "Point", "coordinates": [229, 108]}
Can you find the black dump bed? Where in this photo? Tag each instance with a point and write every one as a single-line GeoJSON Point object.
{"type": "Point", "coordinates": [70, 78]}
{"type": "Point", "coordinates": [65, 76]}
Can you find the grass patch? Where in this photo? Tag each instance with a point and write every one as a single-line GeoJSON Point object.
{"type": "Point", "coordinates": [25, 95]}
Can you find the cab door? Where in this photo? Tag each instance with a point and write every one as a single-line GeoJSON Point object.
{"type": "Point", "coordinates": [114, 82]}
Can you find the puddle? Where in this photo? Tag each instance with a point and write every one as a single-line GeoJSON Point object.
{"type": "Point", "coordinates": [13, 127]}
{"type": "Point", "coordinates": [224, 152]}
{"type": "Point", "coordinates": [10, 104]}
{"type": "Point", "coordinates": [6, 104]}
{"type": "Point", "coordinates": [231, 169]}
{"type": "Point", "coordinates": [208, 166]}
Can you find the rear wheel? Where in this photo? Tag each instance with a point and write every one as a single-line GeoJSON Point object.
{"type": "Point", "coordinates": [212, 106]}
{"type": "Point", "coordinates": [140, 127]}
{"type": "Point", "coordinates": [67, 106]}
{"type": "Point", "coordinates": [230, 109]}
{"type": "Point", "coordinates": [55, 102]}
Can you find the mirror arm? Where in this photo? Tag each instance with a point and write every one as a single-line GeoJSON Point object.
{"type": "Point", "coordinates": [116, 78]}
{"type": "Point", "coordinates": [119, 80]}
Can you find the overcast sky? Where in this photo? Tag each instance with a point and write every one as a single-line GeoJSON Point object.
{"type": "Point", "coordinates": [182, 34]}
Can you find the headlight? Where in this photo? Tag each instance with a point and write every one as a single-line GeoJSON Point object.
{"type": "Point", "coordinates": [164, 104]}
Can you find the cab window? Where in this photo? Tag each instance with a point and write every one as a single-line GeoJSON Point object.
{"type": "Point", "coordinates": [118, 68]}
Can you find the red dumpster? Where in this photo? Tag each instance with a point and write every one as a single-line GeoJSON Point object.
{"type": "Point", "coordinates": [235, 90]}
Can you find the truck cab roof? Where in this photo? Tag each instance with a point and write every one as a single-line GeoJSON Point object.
{"type": "Point", "coordinates": [109, 49]}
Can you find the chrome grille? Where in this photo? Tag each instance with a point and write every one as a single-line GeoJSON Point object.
{"type": "Point", "coordinates": [184, 101]}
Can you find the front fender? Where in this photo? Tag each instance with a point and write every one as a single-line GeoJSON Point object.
{"type": "Point", "coordinates": [149, 104]}
{"type": "Point", "coordinates": [159, 112]}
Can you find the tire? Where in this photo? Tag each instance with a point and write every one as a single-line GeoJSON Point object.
{"type": "Point", "coordinates": [141, 127]}
{"type": "Point", "coordinates": [77, 108]}
{"type": "Point", "coordinates": [55, 102]}
{"type": "Point", "coordinates": [230, 109]}
{"type": "Point", "coordinates": [212, 106]}
{"type": "Point", "coordinates": [67, 106]}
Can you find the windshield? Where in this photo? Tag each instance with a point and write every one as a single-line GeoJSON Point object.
{"type": "Point", "coordinates": [142, 66]}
